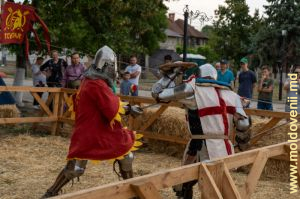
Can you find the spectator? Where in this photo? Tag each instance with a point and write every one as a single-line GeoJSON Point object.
{"type": "Point", "coordinates": [54, 69]}
{"type": "Point", "coordinates": [126, 86]}
{"type": "Point", "coordinates": [218, 66]}
{"type": "Point", "coordinates": [39, 79]}
{"type": "Point", "coordinates": [156, 72]}
{"type": "Point", "coordinates": [293, 94]}
{"type": "Point", "coordinates": [73, 73]}
{"type": "Point", "coordinates": [265, 90]}
{"type": "Point", "coordinates": [4, 54]}
{"type": "Point", "coordinates": [247, 80]}
{"type": "Point", "coordinates": [224, 74]}
{"type": "Point", "coordinates": [135, 71]}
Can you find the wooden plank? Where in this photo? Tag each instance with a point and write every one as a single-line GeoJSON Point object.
{"type": "Point", "coordinates": [266, 113]}
{"type": "Point", "coordinates": [167, 138]}
{"type": "Point", "coordinates": [207, 185]}
{"type": "Point", "coordinates": [123, 190]}
{"type": "Point", "coordinates": [147, 100]}
{"type": "Point", "coordinates": [27, 120]}
{"type": "Point", "coordinates": [42, 103]}
{"type": "Point", "coordinates": [66, 120]}
{"type": "Point", "coordinates": [171, 177]}
{"type": "Point", "coordinates": [229, 190]}
{"type": "Point", "coordinates": [217, 171]}
{"type": "Point", "coordinates": [153, 117]}
{"type": "Point", "coordinates": [254, 175]}
{"type": "Point", "coordinates": [270, 124]}
{"type": "Point", "coordinates": [55, 113]}
{"type": "Point", "coordinates": [146, 190]}
{"type": "Point", "coordinates": [29, 89]}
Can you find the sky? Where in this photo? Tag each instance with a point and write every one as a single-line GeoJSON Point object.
{"type": "Point", "coordinates": [207, 6]}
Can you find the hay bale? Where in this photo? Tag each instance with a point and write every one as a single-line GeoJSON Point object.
{"type": "Point", "coordinates": [9, 111]}
{"type": "Point", "coordinates": [172, 123]}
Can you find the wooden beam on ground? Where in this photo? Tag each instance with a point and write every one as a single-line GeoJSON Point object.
{"type": "Point", "coordinates": [153, 117]}
{"type": "Point", "coordinates": [42, 103]}
{"type": "Point", "coordinates": [207, 185]}
{"type": "Point", "coordinates": [166, 138]}
{"type": "Point", "coordinates": [254, 175]}
{"type": "Point", "coordinates": [66, 120]}
{"type": "Point", "coordinates": [27, 120]}
{"type": "Point", "coordinates": [270, 124]}
{"type": "Point", "coordinates": [28, 89]}
{"type": "Point", "coordinates": [146, 190]}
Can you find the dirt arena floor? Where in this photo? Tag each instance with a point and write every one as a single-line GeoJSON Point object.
{"type": "Point", "coordinates": [30, 162]}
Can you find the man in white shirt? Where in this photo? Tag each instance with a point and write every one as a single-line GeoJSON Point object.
{"type": "Point", "coordinates": [39, 79]}
{"type": "Point", "coordinates": [135, 71]}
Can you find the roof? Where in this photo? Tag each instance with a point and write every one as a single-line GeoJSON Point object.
{"type": "Point", "coordinates": [171, 33]}
{"type": "Point", "coordinates": [178, 26]}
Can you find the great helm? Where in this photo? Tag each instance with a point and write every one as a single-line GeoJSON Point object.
{"type": "Point", "coordinates": [208, 71]}
{"type": "Point", "coordinates": [106, 62]}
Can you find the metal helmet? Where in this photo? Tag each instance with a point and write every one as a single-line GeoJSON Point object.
{"type": "Point", "coordinates": [106, 62]}
{"type": "Point", "coordinates": [208, 71]}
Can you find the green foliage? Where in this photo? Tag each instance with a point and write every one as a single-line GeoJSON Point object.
{"type": "Point", "coordinates": [127, 26]}
{"type": "Point", "coordinates": [209, 53]}
{"type": "Point", "coordinates": [269, 43]}
{"type": "Point", "coordinates": [232, 30]}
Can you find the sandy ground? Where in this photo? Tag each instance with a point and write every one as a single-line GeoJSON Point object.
{"type": "Point", "coordinates": [29, 163]}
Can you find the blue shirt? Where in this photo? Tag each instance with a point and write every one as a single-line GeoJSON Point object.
{"type": "Point", "coordinates": [125, 87]}
{"type": "Point", "coordinates": [246, 81]}
{"type": "Point", "coordinates": [226, 77]}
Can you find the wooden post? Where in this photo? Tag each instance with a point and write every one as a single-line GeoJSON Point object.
{"type": "Point", "coordinates": [207, 185]}
{"type": "Point", "coordinates": [55, 112]}
{"type": "Point", "coordinates": [254, 175]}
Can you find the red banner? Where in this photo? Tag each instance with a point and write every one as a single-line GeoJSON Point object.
{"type": "Point", "coordinates": [16, 22]}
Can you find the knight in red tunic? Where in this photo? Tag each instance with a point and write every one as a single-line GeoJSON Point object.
{"type": "Point", "coordinates": [98, 133]}
{"type": "Point", "coordinates": [213, 111]}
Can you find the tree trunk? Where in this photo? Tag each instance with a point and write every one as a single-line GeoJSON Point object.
{"type": "Point", "coordinates": [20, 75]}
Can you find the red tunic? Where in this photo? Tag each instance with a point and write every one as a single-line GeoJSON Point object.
{"type": "Point", "coordinates": [93, 138]}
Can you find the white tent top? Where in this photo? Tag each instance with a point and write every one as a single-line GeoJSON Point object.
{"type": "Point", "coordinates": [193, 56]}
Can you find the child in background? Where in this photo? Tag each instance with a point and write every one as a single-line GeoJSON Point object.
{"type": "Point", "coordinates": [265, 90]}
{"type": "Point", "coordinates": [126, 87]}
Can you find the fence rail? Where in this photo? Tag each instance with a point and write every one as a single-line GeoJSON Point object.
{"type": "Point", "coordinates": [213, 177]}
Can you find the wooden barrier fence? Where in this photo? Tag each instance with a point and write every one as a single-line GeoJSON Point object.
{"type": "Point", "coordinates": [214, 178]}
{"type": "Point", "coordinates": [59, 99]}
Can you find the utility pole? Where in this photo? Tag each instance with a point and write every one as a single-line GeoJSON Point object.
{"type": "Point", "coordinates": [185, 37]}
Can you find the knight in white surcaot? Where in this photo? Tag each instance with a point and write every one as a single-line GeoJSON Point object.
{"type": "Point", "coordinates": [213, 111]}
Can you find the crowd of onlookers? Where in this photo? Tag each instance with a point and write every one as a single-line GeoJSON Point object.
{"type": "Point", "coordinates": [57, 73]}
{"type": "Point", "coordinates": [247, 82]}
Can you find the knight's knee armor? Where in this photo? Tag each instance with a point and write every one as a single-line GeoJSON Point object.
{"type": "Point", "coordinates": [73, 169]}
{"type": "Point", "coordinates": [125, 166]}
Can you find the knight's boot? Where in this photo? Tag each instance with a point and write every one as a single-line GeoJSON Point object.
{"type": "Point", "coordinates": [72, 170]}
{"type": "Point", "coordinates": [185, 190]}
{"type": "Point", "coordinates": [125, 166]}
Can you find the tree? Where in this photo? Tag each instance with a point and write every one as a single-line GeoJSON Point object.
{"type": "Point", "coordinates": [269, 43]}
{"type": "Point", "coordinates": [127, 26]}
{"type": "Point", "coordinates": [232, 30]}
